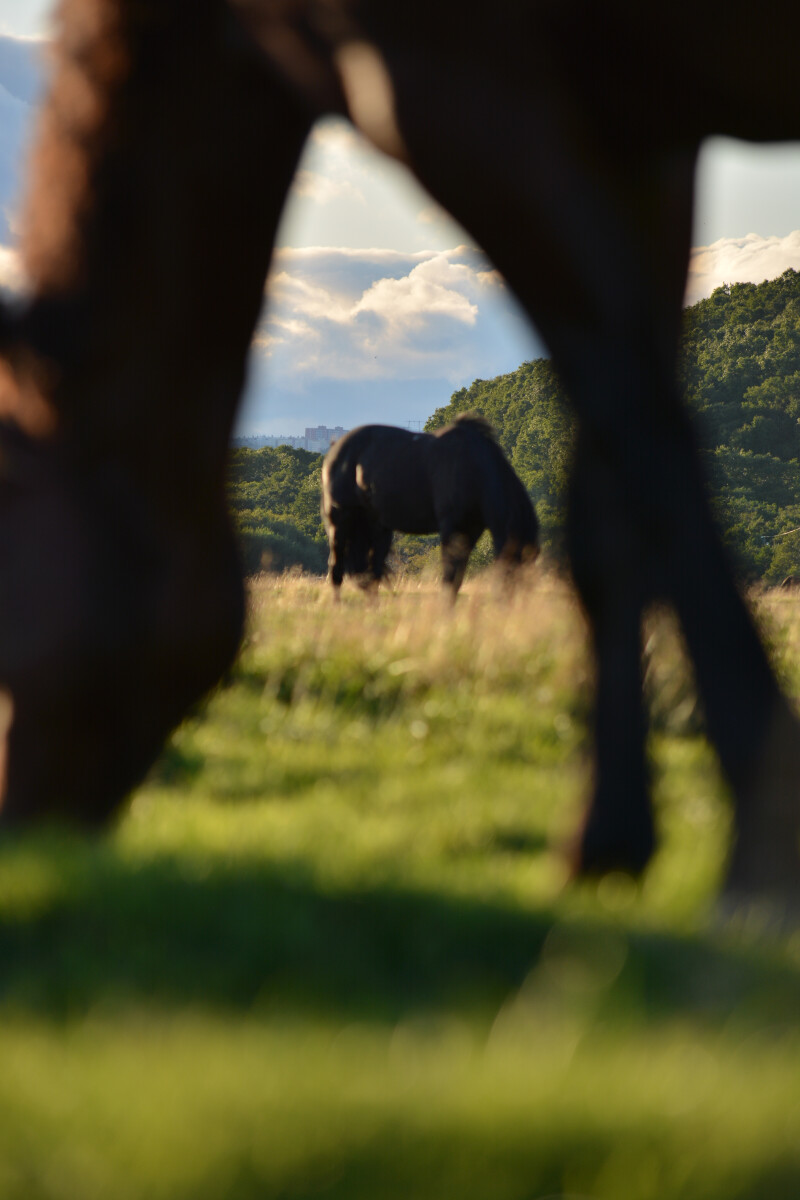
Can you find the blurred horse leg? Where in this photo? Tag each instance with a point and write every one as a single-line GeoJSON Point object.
{"type": "Point", "coordinates": [650, 504]}
{"type": "Point", "coordinates": [456, 549]}
{"type": "Point", "coordinates": [165, 152]}
{"type": "Point", "coordinates": [593, 233]}
{"type": "Point", "coordinates": [381, 545]}
{"type": "Point", "coordinates": [336, 527]}
{"type": "Point", "coordinates": [608, 566]}
{"type": "Point", "coordinates": [336, 558]}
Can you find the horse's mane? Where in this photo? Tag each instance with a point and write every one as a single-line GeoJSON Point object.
{"type": "Point", "coordinates": [478, 422]}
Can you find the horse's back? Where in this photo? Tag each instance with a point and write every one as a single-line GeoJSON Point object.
{"type": "Point", "coordinates": [474, 476]}
{"type": "Point", "coordinates": [385, 471]}
{"type": "Point", "coordinates": [463, 469]}
{"type": "Point", "coordinates": [599, 56]}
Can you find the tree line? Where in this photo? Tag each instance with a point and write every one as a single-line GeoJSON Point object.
{"type": "Point", "coordinates": [739, 371]}
{"type": "Point", "coordinates": [274, 495]}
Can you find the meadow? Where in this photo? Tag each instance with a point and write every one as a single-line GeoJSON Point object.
{"type": "Point", "coordinates": [330, 950]}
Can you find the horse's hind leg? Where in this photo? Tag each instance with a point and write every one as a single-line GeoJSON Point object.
{"type": "Point", "coordinates": [456, 549]}
{"type": "Point", "coordinates": [337, 539]}
{"type": "Point", "coordinates": [611, 313]}
{"type": "Point", "coordinates": [381, 545]}
{"type": "Point", "coordinates": [655, 494]}
{"type": "Point", "coordinates": [765, 853]}
{"type": "Point", "coordinates": [592, 232]}
{"type": "Point", "coordinates": [655, 497]}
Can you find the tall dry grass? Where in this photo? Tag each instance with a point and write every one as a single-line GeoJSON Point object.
{"type": "Point", "coordinates": [413, 630]}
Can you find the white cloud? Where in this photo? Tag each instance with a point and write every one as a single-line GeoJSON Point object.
{"type": "Point", "coordinates": [26, 19]}
{"type": "Point", "coordinates": [361, 335]}
{"type": "Point", "coordinates": [291, 294]}
{"type": "Point", "coordinates": [436, 287]}
{"type": "Point", "coordinates": [749, 259]}
{"type": "Point", "coordinates": [378, 314]}
{"type": "Point", "coordinates": [366, 200]}
{"type": "Point", "coordinates": [11, 273]}
{"type": "Point", "coordinates": [335, 167]}
{"type": "Point", "coordinates": [321, 189]}
{"type": "Point", "coordinates": [337, 137]}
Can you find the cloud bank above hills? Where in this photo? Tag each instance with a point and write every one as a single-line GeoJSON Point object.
{"type": "Point", "coordinates": [383, 324]}
{"type": "Point", "coordinates": [750, 259]}
{"type": "Point", "coordinates": [369, 326]}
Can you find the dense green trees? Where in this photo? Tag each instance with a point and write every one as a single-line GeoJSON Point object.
{"type": "Point", "coordinates": [275, 497]}
{"type": "Point", "coordinates": [740, 371]}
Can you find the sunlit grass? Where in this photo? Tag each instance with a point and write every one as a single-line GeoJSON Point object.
{"type": "Point", "coordinates": [329, 949]}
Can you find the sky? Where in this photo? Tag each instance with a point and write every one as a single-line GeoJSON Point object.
{"type": "Point", "coordinates": [378, 305]}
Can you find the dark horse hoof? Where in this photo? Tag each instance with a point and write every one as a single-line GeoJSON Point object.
{"type": "Point", "coordinates": [605, 846]}
{"type": "Point", "coordinates": [112, 624]}
{"type": "Point", "coordinates": [765, 863]}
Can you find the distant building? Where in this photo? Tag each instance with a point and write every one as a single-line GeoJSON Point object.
{"type": "Point", "coordinates": [318, 438]}
{"type": "Point", "coordinates": [257, 441]}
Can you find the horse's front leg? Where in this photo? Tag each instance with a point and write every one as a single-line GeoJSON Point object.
{"type": "Point", "coordinates": [166, 149]}
{"type": "Point", "coordinates": [456, 549]}
{"type": "Point", "coordinates": [608, 562]}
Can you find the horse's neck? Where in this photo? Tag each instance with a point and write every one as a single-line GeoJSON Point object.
{"type": "Point", "coordinates": [164, 157]}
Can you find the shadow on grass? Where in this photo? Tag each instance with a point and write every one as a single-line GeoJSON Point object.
{"type": "Point", "coordinates": [86, 925]}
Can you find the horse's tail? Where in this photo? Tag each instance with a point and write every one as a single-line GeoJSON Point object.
{"type": "Point", "coordinates": [346, 523]}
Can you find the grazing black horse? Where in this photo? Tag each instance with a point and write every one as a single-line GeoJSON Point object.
{"type": "Point", "coordinates": [455, 482]}
{"type": "Point", "coordinates": [563, 134]}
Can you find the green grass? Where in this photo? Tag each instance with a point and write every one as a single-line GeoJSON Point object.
{"type": "Point", "coordinates": [329, 951]}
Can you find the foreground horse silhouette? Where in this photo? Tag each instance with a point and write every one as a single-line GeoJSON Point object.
{"type": "Point", "coordinates": [563, 134]}
{"type": "Point", "coordinates": [455, 482]}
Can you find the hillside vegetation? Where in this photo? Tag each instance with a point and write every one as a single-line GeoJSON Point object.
{"type": "Point", "coordinates": [740, 372]}
{"type": "Point", "coordinates": [275, 497]}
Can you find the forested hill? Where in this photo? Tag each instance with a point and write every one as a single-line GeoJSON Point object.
{"type": "Point", "coordinates": [274, 494]}
{"type": "Point", "coordinates": [740, 370]}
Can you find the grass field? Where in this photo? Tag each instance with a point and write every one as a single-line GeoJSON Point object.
{"type": "Point", "coordinates": [328, 950]}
